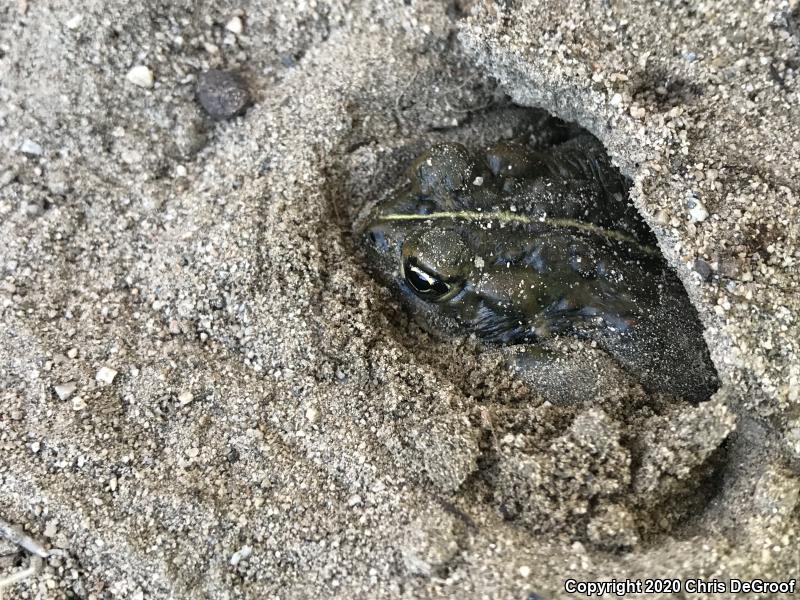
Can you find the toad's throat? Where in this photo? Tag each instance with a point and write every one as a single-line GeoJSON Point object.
{"type": "Point", "coordinates": [503, 217]}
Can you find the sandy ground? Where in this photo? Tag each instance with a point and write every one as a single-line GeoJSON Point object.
{"type": "Point", "coordinates": [252, 415]}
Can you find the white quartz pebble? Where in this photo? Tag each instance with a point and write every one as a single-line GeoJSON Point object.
{"type": "Point", "coordinates": [141, 75]}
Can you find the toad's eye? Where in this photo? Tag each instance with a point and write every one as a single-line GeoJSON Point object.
{"type": "Point", "coordinates": [426, 285]}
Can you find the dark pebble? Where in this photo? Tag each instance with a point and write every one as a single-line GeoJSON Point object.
{"type": "Point", "coordinates": [265, 167]}
{"type": "Point", "coordinates": [222, 94]}
{"type": "Point", "coordinates": [217, 302]}
{"type": "Point", "coordinates": [702, 268]}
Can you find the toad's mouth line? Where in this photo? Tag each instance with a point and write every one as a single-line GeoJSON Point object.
{"type": "Point", "coordinates": [504, 217]}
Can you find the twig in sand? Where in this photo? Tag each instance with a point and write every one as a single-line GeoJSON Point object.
{"type": "Point", "coordinates": [397, 110]}
{"type": "Point", "coordinates": [16, 536]}
{"type": "Point", "coordinates": [33, 569]}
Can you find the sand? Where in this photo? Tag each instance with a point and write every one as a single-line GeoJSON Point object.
{"type": "Point", "coordinates": [206, 395]}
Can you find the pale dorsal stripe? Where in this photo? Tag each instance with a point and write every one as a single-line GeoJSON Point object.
{"type": "Point", "coordinates": [513, 217]}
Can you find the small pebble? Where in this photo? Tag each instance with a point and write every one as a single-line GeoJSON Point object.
{"type": "Point", "coordinates": [7, 177]}
{"type": "Point", "coordinates": [222, 94]}
{"type": "Point", "coordinates": [240, 555]}
{"type": "Point", "coordinates": [78, 403]}
{"type": "Point", "coordinates": [34, 208]}
{"type": "Point", "coordinates": [65, 390]}
{"type": "Point", "coordinates": [51, 529]}
{"type": "Point", "coordinates": [697, 211]}
{"type": "Point", "coordinates": [141, 75]}
{"type": "Point", "coordinates": [312, 414]}
{"type": "Point", "coordinates": [354, 500]}
{"type": "Point", "coordinates": [106, 375]}
{"type": "Point", "coordinates": [30, 148]}
{"type": "Point", "coordinates": [57, 183]}
{"type": "Point", "coordinates": [702, 268]}
{"type": "Point", "coordinates": [72, 353]}
{"type": "Point", "coordinates": [185, 397]}
{"type": "Point", "coordinates": [73, 22]}
{"type": "Point", "coordinates": [131, 157]}
{"type": "Point", "coordinates": [235, 25]}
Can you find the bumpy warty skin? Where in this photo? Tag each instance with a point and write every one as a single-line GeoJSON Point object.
{"type": "Point", "coordinates": [517, 245]}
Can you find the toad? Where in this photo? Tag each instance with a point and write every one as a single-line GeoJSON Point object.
{"type": "Point", "coordinates": [518, 245]}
